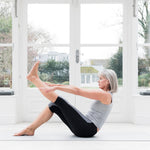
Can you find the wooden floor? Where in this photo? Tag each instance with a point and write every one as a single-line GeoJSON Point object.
{"type": "Point", "coordinates": [76, 145]}
{"type": "Point", "coordinates": [106, 144]}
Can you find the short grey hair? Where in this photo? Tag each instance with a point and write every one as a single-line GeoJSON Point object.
{"type": "Point", "coordinates": [111, 76]}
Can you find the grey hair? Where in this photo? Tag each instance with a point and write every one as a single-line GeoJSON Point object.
{"type": "Point", "coordinates": [111, 76]}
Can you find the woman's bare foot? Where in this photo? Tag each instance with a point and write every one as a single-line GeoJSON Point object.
{"type": "Point", "coordinates": [33, 74]}
{"type": "Point", "coordinates": [25, 132]}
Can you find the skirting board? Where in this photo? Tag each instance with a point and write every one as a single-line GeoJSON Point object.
{"type": "Point", "coordinates": [7, 119]}
{"type": "Point", "coordinates": [142, 119]}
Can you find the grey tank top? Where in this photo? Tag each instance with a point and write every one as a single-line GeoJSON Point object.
{"type": "Point", "coordinates": [99, 112]}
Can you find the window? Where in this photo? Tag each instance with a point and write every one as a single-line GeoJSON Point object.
{"type": "Point", "coordinates": [5, 44]}
{"type": "Point", "coordinates": [87, 78]}
{"type": "Point", "coordinates": [101, 39]}
{"type": "Point", "coordinates": [48, 41]}
{"type": "Point", "coordinates": [143, 44]}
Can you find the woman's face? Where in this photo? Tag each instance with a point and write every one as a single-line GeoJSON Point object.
{"type": "Point", "coordinates": [103, 83]}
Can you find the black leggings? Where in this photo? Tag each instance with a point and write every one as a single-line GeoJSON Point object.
{"type": "Point", "coordinates": [77, 122]}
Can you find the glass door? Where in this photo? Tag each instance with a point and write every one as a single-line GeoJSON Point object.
{"type": "Point", "coordinates": [47, 39]}
{"type": "Point", "coordinates": [101, 46]}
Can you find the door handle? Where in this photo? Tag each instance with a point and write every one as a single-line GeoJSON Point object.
{"type": "Point", "coordinates": [134, 8]}
{"type": "Point", "coordinates": [16, 8]}
{"type": "Point", "coordinates": [77, 56]}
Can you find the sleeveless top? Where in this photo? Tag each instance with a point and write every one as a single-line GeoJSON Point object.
{"type": "Point", "coordinates": [99, 112]}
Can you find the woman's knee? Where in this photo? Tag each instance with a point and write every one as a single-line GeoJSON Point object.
{"type": "Point", "coordinates": [85, 132]}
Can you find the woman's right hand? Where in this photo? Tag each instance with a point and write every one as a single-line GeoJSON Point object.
{"type": "Point", "coordinates": [50, 84]}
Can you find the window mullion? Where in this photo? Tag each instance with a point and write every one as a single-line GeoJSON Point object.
{"type": "Point", "coordinates": [101, 45]}
{"type": "Point", "coordinates": [74, 41]}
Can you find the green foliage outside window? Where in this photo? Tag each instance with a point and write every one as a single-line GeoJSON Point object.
{"type": "Point", "coordinates": [54, 71]}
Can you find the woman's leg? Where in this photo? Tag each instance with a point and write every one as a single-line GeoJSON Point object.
{"type": "Point", "coordinates": [74, 119]}
{"type": "Point", "coordinates": [44, 116]}
{"type": "Point", "coordinates": [34, 78]}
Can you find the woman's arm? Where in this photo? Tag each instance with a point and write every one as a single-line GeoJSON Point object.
{"type": "Point", "coordinates": [96, 94]}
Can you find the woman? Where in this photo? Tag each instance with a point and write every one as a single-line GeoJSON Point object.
{"type": "Point", "coordinates": [80, 125]}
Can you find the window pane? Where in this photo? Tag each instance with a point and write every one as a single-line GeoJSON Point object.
{"type": "Point", "coordinates": [48, 23]}
{"type": "Point", "coordinates": [101, 23]}
{"type": "Point", "coordinates": [143, 21]}
{"type": "Point", "coordinates": [5, 21]}
{"type": "Point", "coordinates": [5, 67]}
{"type": "Point", "coordinates": [54, 63]}
{"type": "Point", "coordinates": [82, 78]}
{"type": "Point", "coordinates": [144, 67]}
{"type": "Point", "coordinates": [5, 37]}
{"type": "Point", "coordinates": [88, 78]}
{"type": "Point", "coordinates": [143, 37]}
{"type": "Point", "coordinates": [95, 59]}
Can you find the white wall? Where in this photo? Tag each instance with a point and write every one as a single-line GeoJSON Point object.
{"type": "Point", "coordinates": [8, 109]}
{"type": "Point", "coordinates": [141, 110]}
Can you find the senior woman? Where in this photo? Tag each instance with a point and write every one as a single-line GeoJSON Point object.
{"type": "Point", "coordinates": [80, 125]}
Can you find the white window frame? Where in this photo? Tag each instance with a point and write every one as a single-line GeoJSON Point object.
{"type": "Point", "coordinates": [130, 43]}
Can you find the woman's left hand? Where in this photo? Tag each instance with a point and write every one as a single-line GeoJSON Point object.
{"type": "Point", "coordinates": [50, 84]}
